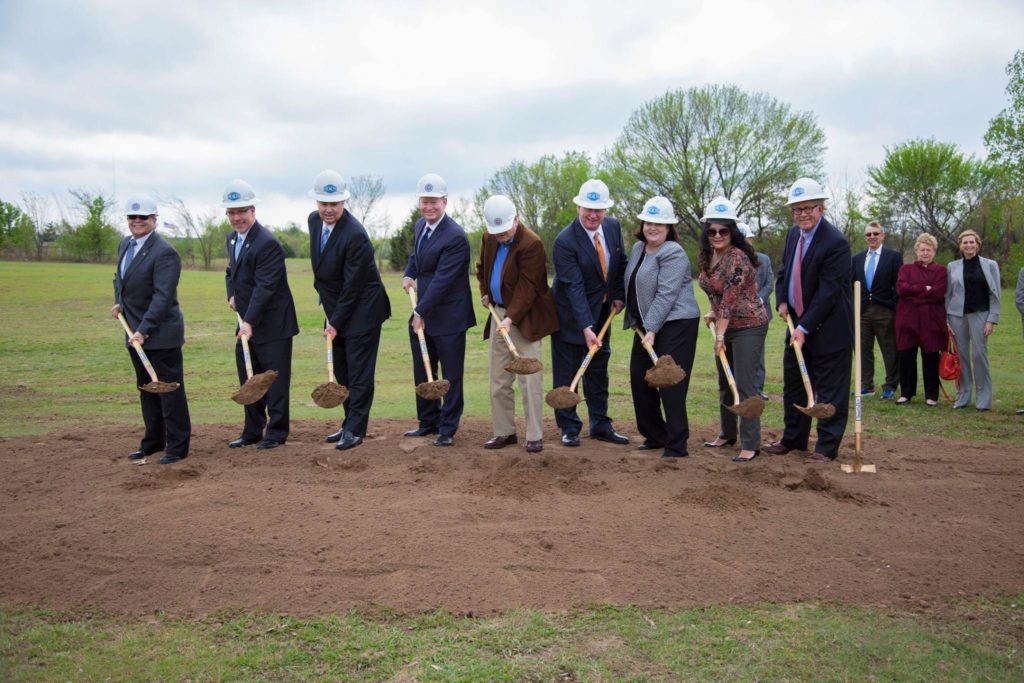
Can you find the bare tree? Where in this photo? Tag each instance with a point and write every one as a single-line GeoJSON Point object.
{"type": "Point", "coordinates": [36, 208]}
{"type": "Point", "coordinates": [367, 191]}
{"type": "Point", "coordinates": [205, 230]}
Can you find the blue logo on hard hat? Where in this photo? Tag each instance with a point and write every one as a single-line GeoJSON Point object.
{"type": "Point", "coordinates": [429, 187]}
{"type": "Point", "coordinates": [330, 189]}
{"type": "Point", "coordinates": [797, 191]}
{"type": "Point", "coordinates": [593, 196]}
{"type": "Point", "coordinates": [721, 208]}
{"type": "Point", "coordinates": [135, 206]}
{"type": "Point", "coordinates": [653, 210]}
{"type": "Point", "coordinates": [234, 196]}
{"type": "Point", "coordinates": [498, 221]}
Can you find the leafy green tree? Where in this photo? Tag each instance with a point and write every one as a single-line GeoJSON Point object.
{"type": "Point", "coordinates": [692, 145]}
{"type": "Point", "coordinates": [400, 244]}
{"type": "Point", "coordinates": [206, 234]}
{"type": "Point", "coordinates": [16, 229]}
{"type": "Point", "coordinates": [294, 240]}
{"type": "Point", "coordinates": [1005, 136]}
{"type": "Point", "coordinates": [95, 239]}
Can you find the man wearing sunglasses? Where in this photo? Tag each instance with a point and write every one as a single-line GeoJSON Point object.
{"type": "Point", "coordinates": [877, 268]}
{"type": "Point", "coordinates": [813, 286]}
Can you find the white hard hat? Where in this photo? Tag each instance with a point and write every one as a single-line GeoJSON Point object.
{"type": "Point", "coordinates": [431, 185]}
{"type": "Point", "coordinates": [140, 205]}
{"type": "Point", "coordinates": [593, 195]}
{"type": "Point", "coordinates": [805, 189]}
{"type": "Point", "coordinates": [745, 230]}
{"type": "Point", "coordinates": [238, 194]}
{"type": "Point", "coordinates": [499, 212]}
{"type": "Point", "coordinates": [329, 187]}
{"type": "Point", "coordinates": [720, 209]}
{"type": "Point", "coordinates": [658, 210]}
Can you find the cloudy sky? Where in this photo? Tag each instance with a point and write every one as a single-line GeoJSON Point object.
{"type": "Point", "coordinates": [178, 98]}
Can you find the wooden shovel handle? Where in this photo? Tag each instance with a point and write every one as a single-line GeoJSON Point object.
{"type": "Point", "coordinates": [330, 359]}
{"type": "Point", "coordinates": [138, 348]}
{"type": "Point", "coordinates": [423, 341]}
{"type": "Point", "coordinates": [245, 347]}
{"type": "Point", "coordinates": [647, 347]}
{"type": "Point", "coordinates": [504, 332]}
{"type": "Point", "coordinates": [725, 366]}
{"type": "Point", "coordinates": [800, 361]}
{"type": "Point", "coordinates": [593, 350]}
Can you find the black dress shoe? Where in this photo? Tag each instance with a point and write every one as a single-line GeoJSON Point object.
{"type": "Point", "coordinates": [444, 441]}
{"type": "Point", "coordinates": [500, 442]}
{"type": "Point", "coordinates": [571, 440]}
{"type": "Point", "coordinates": [137, 455]}
{"type": "Point", "coordinates": [267, 444]}
{"type": "Point", "coordinates": [336, 436]}
{"type": "Point", "coordinates": [712, 444]}
{"type": "Point", "coordinates": [421, 431]}
{"type": "Point", "coordinates": [740, 458]}
{"type": "Point", "coordinates": [776, 448]}
{"type": "Point", "coordinates": [347, 441]}
{"type": "Point", "coordinates": [171, 459]}
{"type": "Point", "coordinates": [242, 441]}
{"type": "Point", "coordinates": [611, 436]}
{"type": "Point", "coordinates": [534, 446]}
{"type": "Point", "coordinates": [672, 456]}
{"type": "Point", "coordinates": [650, 446]}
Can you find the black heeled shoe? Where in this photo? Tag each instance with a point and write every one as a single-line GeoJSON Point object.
{"type": "Point", "coordinates": [740, 458]}
{"type": "Point", "coordinates": [712, 444]}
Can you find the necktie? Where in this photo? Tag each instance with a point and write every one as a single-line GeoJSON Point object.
{"type": "Point", "coordinates": [423, 241]}
{"type": "Point", "coordinates": [600, 255]}
{"type": "Point", "coordinates": [239, 241]}
{"type": "Point", "coordinates": [798, 291]}
{"type": "Point", "coordinates": [869, 272]}
{"type": "Point", "coordinates": [324, 235]}
{"type": "Point", "coordinates": [128, 256]}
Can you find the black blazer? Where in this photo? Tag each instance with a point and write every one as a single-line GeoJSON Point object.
{"type": "Point", "coordinates": [579, 287]}
{"type": "Point", "coordinates": [148, 293]}
{"type": "Point", "coordinates": [442, 278]}
{"type": "Point", "coordinates": [345, 276]}
{"type": "Point", "coordinates": [259, 283]}
{"type": "Point", "coordinates": [883, 285]}
{"type": "Point", "coordinates": [825, 280]}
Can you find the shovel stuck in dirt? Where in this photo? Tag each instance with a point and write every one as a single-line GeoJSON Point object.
{"type": "Point", "coordinates": [257, 385]}
{"type": "Point", "coordinates": [817, 410]}
{"type": "Point", "coordinates": [856, 466]}
{"type": "Point", "coordinates": [666, 372]}
{"type": "Point", "coordinates": [330, 394]}
{"type": "Point", "coordinates": [155, 386]}
{"type": "Point", "coordinates": [750, 407]}
{"type": "Point", "coordinates": [431, 390]}
{"type": "Point", "coordinates": [566, 397]}
{"type": "Point", "coordinates": [519, 365]}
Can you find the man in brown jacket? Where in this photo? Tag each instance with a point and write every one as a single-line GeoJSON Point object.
{"type": "Point", "coordinates": [512, 274]}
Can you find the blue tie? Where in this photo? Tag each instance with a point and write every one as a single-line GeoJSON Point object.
{"type": "Point", "coordinates": [423, 241]}
{"type": "Point", "coordinates": [869, 273]}
{"type": "Point", "coordinates": [128, 256]}
{"type": "Point", "coordinates": [324, 235]}
{"type": "Point", "coordinates": [239, 241]}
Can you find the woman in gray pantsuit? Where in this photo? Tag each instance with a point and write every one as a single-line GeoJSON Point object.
{"type": "Point", "coordinates": [728, 274]}
{"type": "Point", "coordinates": [972, 309]}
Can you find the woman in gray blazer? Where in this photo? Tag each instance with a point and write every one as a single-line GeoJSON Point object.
{"type": "Point", "coordinates": [972, 310]}
{"type": "Point", "coordinates": [661, 304]}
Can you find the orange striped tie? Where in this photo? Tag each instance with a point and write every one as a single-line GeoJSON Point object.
{"type": "Point", "coordinates": [600, 255]}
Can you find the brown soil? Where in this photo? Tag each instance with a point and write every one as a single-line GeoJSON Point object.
{"type": "Point", "coordinates": [329, 395]}
{"type": "Point", "coordinates": [397, 522]}
{"type": "Point", "coordinates": [254, 388]}
{"type": "Point", "coordinates": [524, 366]}
{"type": "Point", "coordinates": [664, 373]}
{"type": "Point", "coordinates": [433, 391]}
{"type": "Point", "coordinates": [562, 397]}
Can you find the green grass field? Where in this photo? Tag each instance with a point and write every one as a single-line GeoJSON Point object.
{"type": "Point", "coordinates": [65, 367]}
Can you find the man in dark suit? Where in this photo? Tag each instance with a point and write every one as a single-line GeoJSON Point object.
{"type": "Point", "coordinates": [512, 276]}
{"type": "Point", "coordinates": [146, 292]}
{"type": "Point", "coordinates": [438, 270]}
{"type": "Point", "coordinates": [257, 286]}
{"type": "Point", "coordinates": [877, 269]}
{"type": "Point", "coordinates": [345, 276]}
{"type": "Point", "coordinates": [590, 266]}
{"type": "Point", "coordinates": [813, 286]}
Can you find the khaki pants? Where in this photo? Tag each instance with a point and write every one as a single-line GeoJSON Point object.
{"type": "Point", "coordinates": [503, 397]}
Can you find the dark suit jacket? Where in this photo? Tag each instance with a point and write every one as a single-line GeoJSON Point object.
{"type": "Point", "coordinates": [883, 285]}
{"type": "Point", "coordinates": [259, 283]}
{"type": "Point", "coordinates": [345, 276]}
{"type": "Point", "coordinates": [827, 293]}
{"type": "Point", "coordinates": [524, 283]}
{"type": "Point", "coordinates": [442, 278]}
{"type": "Point", "coordinates": [148, 293]}
{"type": "Point", "coordinates": [579, 287]}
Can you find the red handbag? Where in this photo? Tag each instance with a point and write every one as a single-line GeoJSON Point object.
{"type": "Point", "coordinates": [949, 360]}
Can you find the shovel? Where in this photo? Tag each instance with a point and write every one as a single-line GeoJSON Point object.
{"type": "Point", "coordinates": [666, 372]}
{"type": "Point", "coordinates": [156, 386]}
{"type": "Point", "coordinates": [257, 385]}
{"type": "Point", "coordinates": [818, 410]}
{"type": "Point", "coordinates": [749, 407]}
{"type": "Point", "coordinates": [856, 466]}
{"type": "Point", "coordinates": [519, 365]}
{"type": "Point", "coordinates": [566, 397]}
{"type": "Point", "coordinates": [431, 390]}
{"type": "Point", "coordinates": [330, 394]}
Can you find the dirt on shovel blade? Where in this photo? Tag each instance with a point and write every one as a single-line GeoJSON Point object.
{"type": "Point", "coordinates": [159, 387]}
{"type": "Point", "coordinates": [524, 366]}
{"type": "Point", "coordinates": [254, 388]}
{"type": "Point", "coordinates": [562, 397]}
{"type": "Point", "coordinates": [665, 373]}
{"type": "Point", "coordinates": [749, 407]}
{"type": "Point", "coordinates": [820, 411]}
{"type": "Point", "coordinates": [433, 391]}
{"type": "Point", "coordinates": [329, 395]}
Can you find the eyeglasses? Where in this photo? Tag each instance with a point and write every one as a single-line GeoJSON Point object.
{"type": "Point", "coordinates": [872, 234]}
{"type": "Point", "coordinates": [137, 218]}
{"type": "Point", "coordinates": [720, 232]}
{"type": "Point", "coordinates": [806, 209]}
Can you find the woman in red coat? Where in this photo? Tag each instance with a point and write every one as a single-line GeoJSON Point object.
{"type": "Point", "coordinates": [921, 321]}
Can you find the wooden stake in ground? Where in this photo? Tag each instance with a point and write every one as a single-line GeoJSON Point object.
{"type": "Point", "coordinates": [666, 372]}
{"type": "Point", "coordinates": [566, 397]}
{"type": "Point", "coordinates": [330, 394]}
{"type": "Point", "coordinates": [749, 407]}
{"type": "Point", "coordinates": [432, 389]}
{"type": "Point", "coordinates": [519, 365]}
{"type": "Point", "coordinates": [257, 385]}
{"type": "Point", "coordinates": [155, 386]}
{"type": "Point", "coordinates": [856, 466]}
{"type": "Point", "coordinates": [818, 410]}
